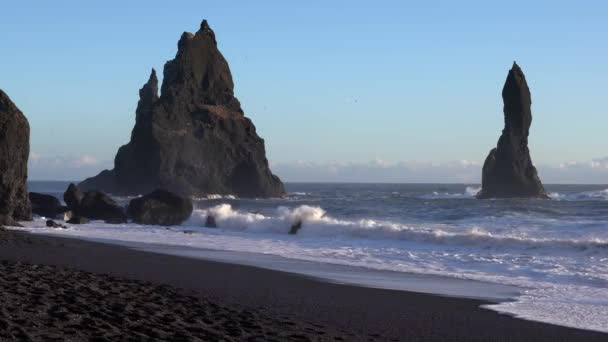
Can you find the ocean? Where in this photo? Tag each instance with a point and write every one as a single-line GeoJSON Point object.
{"type": "Point", "coordinates": [549, 258]}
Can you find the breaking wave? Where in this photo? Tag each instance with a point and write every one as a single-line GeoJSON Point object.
{"type": "Point", "coordinates": [596, 195]}
{"type": "Point", "coordinates": [316, 222]}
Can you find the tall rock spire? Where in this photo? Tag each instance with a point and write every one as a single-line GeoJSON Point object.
{"type": "Point", "coordinates": [194, 139]}
{"type": "Point", "coordinates": [508, 170]}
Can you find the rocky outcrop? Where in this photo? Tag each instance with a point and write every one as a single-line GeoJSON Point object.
{"type": "Point", "coordinates": [160, 207]}
{"type": "Point", "coordinates": [46, 205]}
{"type": "Point", "coordinates": [508, 170]}
{"type": "Point", "coordinates": [53, 224]}
{"type": "Point", "coordinates": [194, 139]}
{"type": "Point", "coordinates": [14, 153]}
{"type": "Point", "coordinates": [94, 205]}
{"type": "Point", "coordinates": [72, 197]}
{"type": "Point", "coordinates": [78, 220]}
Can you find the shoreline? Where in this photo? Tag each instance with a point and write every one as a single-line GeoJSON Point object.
{"type": "Point", "coordinates": [338, 274]}
{"type": "Point", "coordinates": [361, 311]}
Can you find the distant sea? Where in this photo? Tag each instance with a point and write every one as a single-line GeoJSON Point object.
{"type": "Point", "coordinates": [555, 251]}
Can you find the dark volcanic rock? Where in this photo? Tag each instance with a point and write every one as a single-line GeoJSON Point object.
{"type": "Point", "coordinates": [14, 152]}
{"type": "Point", "coordinates": [96, 205]}
{"type": "Point", "coordinates": [53, 224]}
{"type": "Point", "coordinates": [194, 139]}
{"type": "Point", "coordinates": [72, 197]}
{"type": "Point", "coordinates": [160, 207]}
{"type": "Point", "coordinates": [508, 170]}
{"type": "Point", "coordinates": [210, 222]}
{"type": "Point", "coordinates": [295, 227]}
{"type": "Point", "coordinates": [46, 205]}
{"type": "Point", "coordinates": [78, 220]}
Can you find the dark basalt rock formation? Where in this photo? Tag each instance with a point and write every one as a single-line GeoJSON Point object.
{"type": "Point", "coordinates": [53, 224]}
{"type": "Point", "coordinates": [14, 152]}
{"type": "Point", "coordinates": [78, 220]}
{"type": "Point", "coordinates": [160, 207]}
{"type": "Point", "coordinates": [295, 227]}
{"type": "Point", "coordinates": [46, 205]}
{"type": "Point", "coordinates": [508, 170]}
{"type": "Point", "coordinates": [94, 205]}
{"type": "Point", "coordinates": [210, 222]}
{"type": "Point", "coordinates": [194, 139]}
{"type": "Point", "coordinates": [72, 197]}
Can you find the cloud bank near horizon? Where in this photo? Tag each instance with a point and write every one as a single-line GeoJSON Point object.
{"type": "Point", "coordinates": [76, 168]}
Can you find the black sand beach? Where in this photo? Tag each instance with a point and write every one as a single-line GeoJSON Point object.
{"type": "Point", "coordinates": [66, 289]}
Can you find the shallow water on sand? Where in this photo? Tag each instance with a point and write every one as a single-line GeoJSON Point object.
{"type": "Point", "coordinates": [556, 250]}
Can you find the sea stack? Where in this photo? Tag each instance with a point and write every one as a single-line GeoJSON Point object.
{"type": "Point", "coordinates": [194, 139]}
{"type": "Point", "coordinates": [508, 170]}
{"type": "Point", "coordinates": [14, 152]}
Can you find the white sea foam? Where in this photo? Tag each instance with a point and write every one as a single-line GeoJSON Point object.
{"type": "Point", "coordinates": [469, 192]}
{"type": "Point", "coordinates": [596, 195]}
{"type": "Point", "coordinates": [565, 272]}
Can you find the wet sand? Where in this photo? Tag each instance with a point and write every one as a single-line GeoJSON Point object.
{"type": "Point", "coordinates": [66, 289]}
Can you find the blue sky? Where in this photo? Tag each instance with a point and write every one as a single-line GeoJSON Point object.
{"type": "Point", "coordinates": [355, 84]}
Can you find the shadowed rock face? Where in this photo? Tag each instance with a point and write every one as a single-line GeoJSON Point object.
{"type": "Point", "coordinates": [508, 170]}
{"type": "Point", "coordinates": [14, 152]}
{"type": "Point", "coordinates": [194, 139]}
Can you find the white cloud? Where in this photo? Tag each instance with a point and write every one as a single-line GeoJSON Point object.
{"type": "Point", "coordinates": [76, 168]}
{"type": "Point", "coordinates": [85, 161]}
{"type": "Point", "coordinates": [73, 168]}
{"type": "Point", "coordinates": [457, 171]}
{"type": "Point", "coordinates": [379, 170]}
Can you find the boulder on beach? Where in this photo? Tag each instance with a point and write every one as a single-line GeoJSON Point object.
{"type": "Point", "coordinates": [194, 138]}
{"type": "Point", "coordinates": [53, 224]}
{"type": "Point", "coordinates": [94, 205]}
{"type": "Point", "coordinates": [72, 197]}
{"type": "Point", "coordinates": [295, 227]}
{"type": "Point", "coordinates": [160, 207]}
{"type": "Point", "coordinates": [78, 220]}
{"type": "Point", "coordinates": [46, 205]}
{"type": "Point", "coordinates": [508, 170]}
{"type": "Point", "coordinates": [14, 152]}
{"type": "Point", "coordinates": [210, 221]}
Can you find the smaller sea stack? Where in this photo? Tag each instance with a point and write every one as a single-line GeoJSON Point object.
{"type": "Point", "coordinates": [508, 170]}
{"type": "Point", "coordinates": [14, 152]}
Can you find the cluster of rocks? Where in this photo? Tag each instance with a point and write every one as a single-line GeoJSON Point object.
{"type": "Point", "coordinates": [160, 207]}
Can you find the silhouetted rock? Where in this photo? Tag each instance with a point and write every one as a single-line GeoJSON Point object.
{"type": "Point", "coordinates": [78, 220]}
{"type": "Point", "coordinates": [96, 205]}
{"type": "Point", "coordinates": [14, 152]}
{"type": "Point", "coordinates": [508, 169]}
{"type": "Point", "coordinates": [194, 139]}
{"type": "Point", "coordinates": [160, 207]}
{"type": "Point", "coordinates": [53, 224]}
{"type": "Point", "coordinates": [210, 222]}
{"type": "Point", "coordinates": [46, 205]}
{"type": "Point", "coordinates": [72, 197]}
{"type": "Point", "coordinates": [295, 227]}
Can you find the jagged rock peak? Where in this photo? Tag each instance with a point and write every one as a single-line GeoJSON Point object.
{"type": "Point", "coordinates": [508, 170]}
{"type": "Point", "coordinates": [194, 139]}
{"type": "Point", "coordinates": [149, 92]}
{"type": "Point", "coordinates": [205, 26]}
{"type": "Point", "coordinates": [206, 30]}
